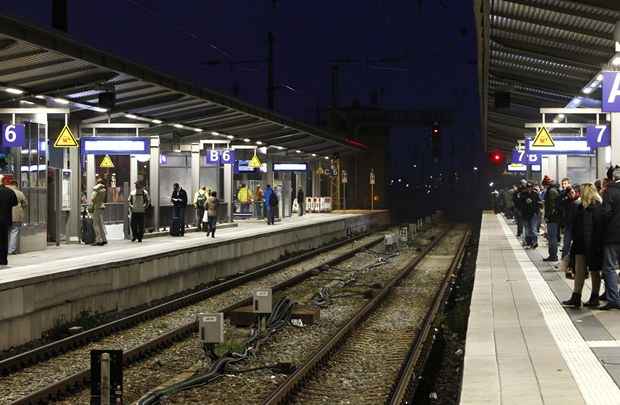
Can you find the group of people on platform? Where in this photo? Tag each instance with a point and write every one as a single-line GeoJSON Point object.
{"type": "Point", "coordinates": [584, 219]}
{"type": "Point", "coordinates": [205, 203]}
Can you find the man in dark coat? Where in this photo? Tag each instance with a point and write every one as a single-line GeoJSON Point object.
{"type": "Point", "coordinates": [179, 202]}
{"type": "Point", "coordinates": [8, 200]}
{"type": "Point", "coordinates": [611, 239]}
{"type": "Point", "coordinates": [530, 213]}
{"type": "Point", "coordinates": [552, 218]}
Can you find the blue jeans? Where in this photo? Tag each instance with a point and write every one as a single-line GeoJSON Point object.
{"type": "Point", "coordinates": [610, 264]}
{"type": "Point", "coordinates": [568, 236]}
{"type": "Point", "coordinates": [531, 237]}
{"type": "Point", "coordinates": [553, 229]}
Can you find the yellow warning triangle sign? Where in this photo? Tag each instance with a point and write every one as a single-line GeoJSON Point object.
{"type": "Point", "coordinates": [543, 138]}
{"type": "Point", "coordinates": [107, 163]}
{"type": "Point", "coordinates": [66, 139]}
{"type": "Point", "coordinates": [255, 161]}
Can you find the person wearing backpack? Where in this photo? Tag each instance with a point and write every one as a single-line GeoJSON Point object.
{"type": "Point", "coordinates": [139, 202]}
{"type": "Point", "coordinates": [271, 204]}
{"type": "Point", "coordinates": [200, 199]}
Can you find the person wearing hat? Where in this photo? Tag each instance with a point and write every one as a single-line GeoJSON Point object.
{"type": "Point", "coordinates": [552, 217]}
{"type": "Point", "coordinates": [139, 202]}
{"type": "Point", "coordinates": [8, 200]}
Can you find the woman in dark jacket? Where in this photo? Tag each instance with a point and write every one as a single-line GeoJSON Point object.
{"type": "Point", "coordinates": [587, 246]}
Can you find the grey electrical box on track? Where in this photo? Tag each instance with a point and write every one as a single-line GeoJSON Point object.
{"type": "Point", "coordinates": [262, 301]}
{"type": "Point", "coordinates": [211, 327]}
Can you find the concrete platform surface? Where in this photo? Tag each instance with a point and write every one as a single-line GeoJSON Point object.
{"type": "Point", "coordinates": [522, 346]}
{"type": "Point", "coordinates": [53, 260]}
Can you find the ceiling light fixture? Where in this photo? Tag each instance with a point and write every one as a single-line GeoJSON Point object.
{"type": "Point", "coordinates": [131, 116]}
{"type": "Point", "coordinates": [99, 109]}
{"type": "Point", "coordinates": [61, 101]}
{"type": "Point", "coordinates": [227, 136]}
{"type": "Point", "coordinates": [246, 140]}
{"type": "Point", "coordinates": [157, 122]}
{"type": "Point", "coordinates": [13, 90]}
{"type": "Point", "coordinates": [178, 126]}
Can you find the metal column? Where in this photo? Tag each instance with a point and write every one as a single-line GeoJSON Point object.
{"type": "Point", "coordinates": [615, 117]}
{"type": "Point", "coordinates": [154, 180]}
{"type": "Point", "coordinates": [228, 190]}
{"type": "Point", "coordinates": [562, 168]}
{"type": "Point", "coordinates": [195, 168]}
{"type": "Point", "coordinates": [90, 173]}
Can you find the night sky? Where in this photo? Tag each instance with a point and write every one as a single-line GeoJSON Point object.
{"type": "Point", "coordinates": [435, 40]}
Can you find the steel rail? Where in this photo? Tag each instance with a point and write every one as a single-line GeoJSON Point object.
{"type": "Point", "coordinates": [283, 393]}
{"type": "Point", "coordinates": [80, 379]}
{"type": "Point", "coordinates": [423, 341]}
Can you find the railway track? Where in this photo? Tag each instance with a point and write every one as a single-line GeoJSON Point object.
{"type": "Point", "coordinates": [374, 356]}
{"type": "Point", "coordinates": [77, 380]}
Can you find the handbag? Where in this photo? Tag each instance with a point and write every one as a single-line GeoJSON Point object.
{"type": "Point", "coordinates": [205, 217]}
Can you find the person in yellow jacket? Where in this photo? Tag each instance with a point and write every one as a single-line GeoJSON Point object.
{"type": "Point", "coordinates": [244, 196]}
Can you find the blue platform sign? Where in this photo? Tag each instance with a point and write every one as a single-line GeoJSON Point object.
{"type": "Point", "coordinates": [223, 156]}
{"type": "Point", "coordinates": [611, 92]}
{"type": "Point", "coordinates": [526, 158]}
{"type": "Point", "coordinates": [598, 136]}
{"type": "Point", "coordinates": [13, 135]}
{"type": "Point", "coordinates": [564, 145]}
{"type": "Point", "coordinates": [115, 145]}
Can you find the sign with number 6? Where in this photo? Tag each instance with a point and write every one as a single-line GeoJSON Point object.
{"type": "Point", "coordinates": [13, 135]}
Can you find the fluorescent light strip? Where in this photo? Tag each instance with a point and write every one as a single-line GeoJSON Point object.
{"type": "Point", "coordinates": [12, 90]}
{"type": "Point", "coordinates": [61, 101]}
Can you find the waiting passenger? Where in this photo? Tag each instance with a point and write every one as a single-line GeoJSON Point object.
{"type": "Point", "coordinates": [245, 197]}
{"type": "Point", "coordinates": [97, 205]}
{"type": "Point", "coordinates": [200, 199]}
{"type": "Point", "coordinates": [258, 202]}
{"type": "Point", "coordinates": [8, 200]}
{"type": "Point", "coordinates": [271, 204]}
{"type": "Point", "coordinates": [531, 212]}
{"type": "Point", "coordinates": [611, 240]}
{"type": "Point", "coordinates": [18, 216]}
{"type": "Point", "coordinates": [586, 251]}
{"type": "Point", "coordinates": [139, 202]}
{"type": "Point", "coordinates": [552, 217]}
{"type": "Point", "coordinates": [301, 201]}
{"type": "Point", "coordinates": [211, 211]}
{"type": "Point", "coordinates": [179, 202]}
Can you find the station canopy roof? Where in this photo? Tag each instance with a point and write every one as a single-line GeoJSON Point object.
{"type": "Point", "coordinates": [543, 52]}
{"type": "Point", "coordinates": [48, 68]}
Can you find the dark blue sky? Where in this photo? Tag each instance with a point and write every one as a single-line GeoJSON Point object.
{"type": "Point", "coordinates": [436, 38]}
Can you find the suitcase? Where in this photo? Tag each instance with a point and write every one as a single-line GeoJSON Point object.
{"type": "Point", "coordinates": [176, 227]}
{"type": "Point", "coordinates": [87, 232]}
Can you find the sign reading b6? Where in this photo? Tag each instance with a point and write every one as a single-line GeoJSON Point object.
{"type": "Point", "coordinates": [223, 156]}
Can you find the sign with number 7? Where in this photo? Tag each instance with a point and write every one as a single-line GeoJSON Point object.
{"type": "Point", "coordinates": [598, 136]}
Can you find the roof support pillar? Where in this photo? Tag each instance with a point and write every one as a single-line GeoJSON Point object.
{"type": "Point", "coordinates": [615, 117]}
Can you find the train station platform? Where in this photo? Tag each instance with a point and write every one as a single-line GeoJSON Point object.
{"type": "Point", "coordinates": [40, 290]}
{"type": "Point", "coordinates": [523, 346]}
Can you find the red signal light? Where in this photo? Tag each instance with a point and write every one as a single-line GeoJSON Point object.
{"type": "Point", "coordinates": [496, 157]}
